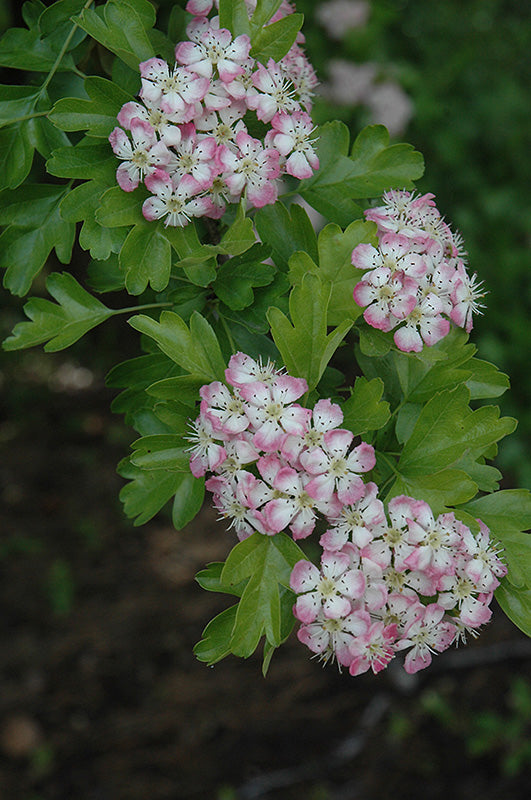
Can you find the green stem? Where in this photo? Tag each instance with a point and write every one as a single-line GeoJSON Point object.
{"type": "Point", "coordinates": [227, 331]}
{"type": "Point", "coordinates": [25, 117]}
{"type": "Point", "coordinates": [63, 50]}
{"type": "Point", "coordinates": [140, 308]}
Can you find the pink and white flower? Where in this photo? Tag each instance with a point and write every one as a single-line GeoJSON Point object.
{"type": "Point", "coordinates": [140, 157]}
{"type": "Point", "coordinates": [177, 201]}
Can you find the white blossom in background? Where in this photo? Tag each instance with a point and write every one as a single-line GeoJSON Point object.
{"type": "Point", "coordinates": [340, 16]}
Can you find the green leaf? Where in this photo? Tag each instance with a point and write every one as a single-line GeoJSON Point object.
{"type": "Point", "coordinates": [105, 275]}
{"type": "Point", "coordinates": [145, 258]}
{"type": "Point", "coordinates": [303, 343]}
{"type": "Point", "coordinates": [286, 232]}
{"type": "Point", "coordinates": [237, 277]}
{"type": "Point", "coordinates": [374, 343]}
{"type": "Point", "coordinates": [17, 101]}
{"type": "Point", "coordinates": [23, 49]}
{"type": "Point", "coordinates": [94, 160]}
{"type": "Point", "coordinates": [215, 641]}
{"type": "Point", "coordinates": [486, 380]}
{"type": "Point", "coordinates": [97, 115]}
{"type": "Point", "coordinates": [45, 137]}
{"type": "Point", "coordinates": [59, 324]}
{"type": "Point", "coordinates": [35, 227]}
{"type": "Point", "coordinates": [266, 561]}
{"type": "Point", "coordinates": [263, 12]}
{"type": "Point", "coordinates": [148, 490]}
{"type": "Point", "coordinates": [517, 605]}
{"type": "Point", "coordinates": [16, 155]}
{"type": "Point", "coordinates": [335, 254]}
{"type": "Point", "coordinates": [195, 349]}
{"type": "Point", "coordinates": [120, 29]}
{"type": "Point", "coordinates": [119, 209]}
{"type": "Point", "coordinates": [161, 451]}
{"type": "Point", "coordinates": [486, 476]}
{"type": "Point", "coordinates": [372, 167]}
{"type": "Point", "coordinates": [378, 166]}
{"type": "Point", "coordinates": [101, 242]}
{"type": "Point", "coordinates": [240, 236]}
{"type": "Point", "coordinates": [187, 501]}
{"type": "Point", "coordinates": [364, 410]}
{"type": "Point", "coordinates": [233, 16]}
{"type": "Point", "coordinates": [442, 491]}
{"type": "Point", "coordinates": [275, 40]}
{"type": "Point", "coordinates": [185, 387]}
{"type": "Point", "coordinates": [446, 429]}
{"type": "Point", "coordinates": [210, 580]}
{"type": "Point", "coordinates": [508, 515]}
{"type": "Point", "coordinates": [324, 191]}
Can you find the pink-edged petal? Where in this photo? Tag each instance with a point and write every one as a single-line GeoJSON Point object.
{"type": "Point", "coordinates": [304, 577]}
{"type": "Point", "coordinates": [127, 177]}
{"type": "Point", "coordinates": [408, 339]}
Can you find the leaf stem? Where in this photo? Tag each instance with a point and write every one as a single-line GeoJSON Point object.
{"type": "Point", "coordinates": [24, 118]}
{"type": "Point", "coordinates": [63, 50]}
{"type": "Point", "coordinates": [227, 331]}
{"type": "Point", "coordinates": [140, 308]}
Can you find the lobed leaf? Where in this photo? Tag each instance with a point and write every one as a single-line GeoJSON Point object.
{"type": "Point", "coordinates": [61, 324]}
{"type": "Point", "coordinates": [196, 349]}
{"type": "Point", "coordinates": [303, 343]}
{"type": "Point", "coordinates": [286, 232]}
{"type": "Point", "coordinates": [364, 410]}
{"type": "Point", "coordinates": [267, 563]}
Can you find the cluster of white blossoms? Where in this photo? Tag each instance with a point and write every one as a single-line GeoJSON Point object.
{"type": "Point", "coordinates": [384, 585]}
{"type": "Point", "coordinates": [188, 140]}
{"type": "Point", "coordinates": [416, 280]}
{"type": "Point", "coordinates": [303, 461]}
{"type": "Point", "coordinates": [412, 583]}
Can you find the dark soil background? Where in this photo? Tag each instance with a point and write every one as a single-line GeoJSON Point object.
{"type": "Point", "coordinates": [102, 698]}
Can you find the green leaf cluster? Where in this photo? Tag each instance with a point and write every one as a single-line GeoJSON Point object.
{"type": "Point", "coordinates": [257, 571]}
{"type": "Point", "coordinates": [371, 167]}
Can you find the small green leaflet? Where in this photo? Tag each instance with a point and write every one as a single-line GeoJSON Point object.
{"type": "Point", "coordinates": [145, 258]}
{"type": "Point", "coordinates": [161, 451]}
{"type": "Point", "coordinates": [275, 40]}
{"type": "Point", "coordinates": [24, 49]}
{"type": "Point", "coordinates": [335, 266]}
{"type": "Point", "coordinates": [446, 429]}
{"type": "Point", "coordinates": [372, 167]}
{"type": "Point", "coordinates": [196, 349]}
{"type": "Point", "coordinates": [377, 165]}
{"type": "Point", "coordinates": [236, 277]}
{"type": "Point", "coordinates": [508, 515]}
{"type": "Point", "coordinates": [97, 115]}
{"type": "Point", "coordinates": [286, 232]}
{"type": "Point", "coordinates": [303, 343]}
{"type": "Point", "coordinates": [442, 491]}
{"type": "Point", "coordinates": [121, 29]}
{"type": "Point", "coordinates": [516, 603]}
{"type": "Point", "coordinates": [149, 490]}
{"type": "Point", "coordinates": [364, 410]}
{"type": "Point", "coordinates": [34, 228]}
{"type": "Point", "coordinates": [266, 561]}
{"type": "Point", "coordinates": [234, 17]}
{"type": "Point", "coordinates": [62, 324]}
{"type": "Point", "coordinates": [216, 638]}
{"type": "Point", "coordinates": [263, 12]}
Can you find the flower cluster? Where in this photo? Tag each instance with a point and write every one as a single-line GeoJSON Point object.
{"type": "Point", "coordinates": [416, 280]}
{"type": "Point", "coordinates": [188, 140]}
{"type": "Point", "coordinates": [412, 583]}
{"type": "Point", "coordinates": [275, 464]}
